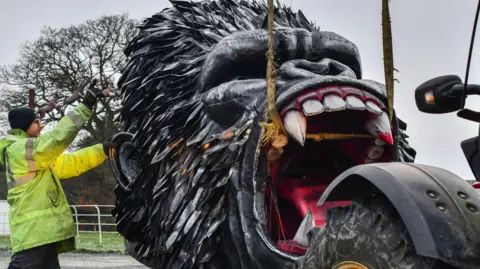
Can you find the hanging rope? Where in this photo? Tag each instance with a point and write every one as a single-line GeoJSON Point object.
{"type": "Point", "coordinates": [388, 55]}
{"type": "Point", "coordinates": [274, 130]}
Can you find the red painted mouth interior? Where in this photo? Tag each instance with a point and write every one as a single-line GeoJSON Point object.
{"type": "Point", "coordinates": [302, 174]}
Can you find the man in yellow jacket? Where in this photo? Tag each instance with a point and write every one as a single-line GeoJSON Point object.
{"type": "Point", "coordinates": [40, 220]}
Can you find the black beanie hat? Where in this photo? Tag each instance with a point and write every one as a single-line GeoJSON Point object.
{"type": "Point", "coordinates": [21, 118]}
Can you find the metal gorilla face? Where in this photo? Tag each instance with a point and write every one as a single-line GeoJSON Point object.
{"type": "Point", "coordinates": [199, 191]}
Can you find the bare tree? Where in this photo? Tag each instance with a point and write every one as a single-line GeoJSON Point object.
{"type": "Point", "coordinates": [60, 60]}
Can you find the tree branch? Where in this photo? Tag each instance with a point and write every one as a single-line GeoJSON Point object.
{"type": "Point", "coordinates": [61, 58]}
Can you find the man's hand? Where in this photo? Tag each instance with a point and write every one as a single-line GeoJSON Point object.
{"type": "Point", "coordinates": [107, 146]}
{"type": "Point", "coordinates": [92, 94]}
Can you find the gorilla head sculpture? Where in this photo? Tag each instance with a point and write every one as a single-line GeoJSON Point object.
{"type": "Point", "coordinates": [195, 189]}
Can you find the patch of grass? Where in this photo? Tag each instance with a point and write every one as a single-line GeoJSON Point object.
{"type": "Point", "coordinates": [4, 242]}
{"type": "Point", "coordinates": [87, 242]}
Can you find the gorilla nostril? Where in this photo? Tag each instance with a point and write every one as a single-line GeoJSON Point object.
{"type": "Point", "coordinates": [301, 69]}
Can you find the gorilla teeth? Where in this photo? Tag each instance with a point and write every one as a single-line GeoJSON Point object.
{"type": "Point", "coordinates": [380, 128]}
{"type": "Point", "coordinates": [334, 98]}
{"type": "Point", "coordinates": [354, 103]}
{"type": "Point", "coordinates": [373, 108]}
{"type": "Point", "coordinates": [312, 107]}
{"type": "Point", "coordinates": [296, 125]}
{"type": "Point", "coordinates": [333, 103]}
{"type": "Point", "coordinates": [301, 237]}
{"type": "Point", "coordinates": [329, 100]}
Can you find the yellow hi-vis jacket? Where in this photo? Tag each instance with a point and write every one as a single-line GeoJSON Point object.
{"type": "Point", "coordinates": [39, 211]}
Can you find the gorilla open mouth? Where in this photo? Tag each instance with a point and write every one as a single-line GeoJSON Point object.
{"type": "Point", "coordinates": [310, 162]}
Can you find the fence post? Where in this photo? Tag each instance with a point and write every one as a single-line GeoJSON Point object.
{"type": "Point", "coordinates": [99, 224]}
{"type": "Point", "coordinates": [76, 222]}
{"type": "Point", "coordinates": [5, 224]}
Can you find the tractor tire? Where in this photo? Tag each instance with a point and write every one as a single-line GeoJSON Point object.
{"type": "Point", "coordinates": [368, 234]}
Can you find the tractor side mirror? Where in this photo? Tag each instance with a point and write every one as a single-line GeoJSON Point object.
{"type": "Point", "coordinates": [439, 95]}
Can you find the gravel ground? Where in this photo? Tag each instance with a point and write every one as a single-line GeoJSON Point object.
{"type": "Point", "coordinates": [87, 261]}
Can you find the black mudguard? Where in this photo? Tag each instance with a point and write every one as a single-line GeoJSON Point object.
{"type": "Point", "coordinates": [440, 210]}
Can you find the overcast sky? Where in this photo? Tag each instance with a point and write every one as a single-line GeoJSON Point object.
{"type": "Point", "coordinates": [431, 38]}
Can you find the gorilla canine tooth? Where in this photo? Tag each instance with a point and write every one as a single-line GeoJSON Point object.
{"type": "Point", "coordinates": [354, 103]}
{"type": "Point", "coordinates": [296, 125]}
{"type": "Point", "coordinates": [301, 237]}
{"type": "Point", "coordinates": [333, 103]}
{"type": "Point", "coordinates": [374, 108]}
{"type": "Point", "coordinates": [380, 128]}
{"type": "Point", "coordinates": [312, 107]}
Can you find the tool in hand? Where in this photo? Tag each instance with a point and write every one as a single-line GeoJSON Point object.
{"type": "Point", "coordinates": [78, 94]}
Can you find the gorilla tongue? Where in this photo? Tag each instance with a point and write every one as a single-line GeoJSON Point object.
{"type": "Point", "coordinates": [379, 126]}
